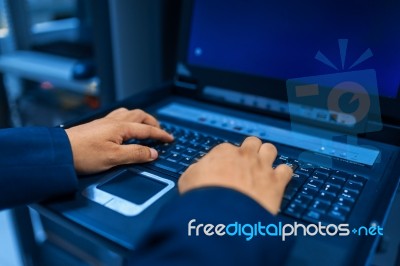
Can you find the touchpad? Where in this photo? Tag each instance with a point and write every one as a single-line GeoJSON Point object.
{"type": "Point", "coordinates": [129, 192]}
{"type": "Point", "coordinates": [133, 187]}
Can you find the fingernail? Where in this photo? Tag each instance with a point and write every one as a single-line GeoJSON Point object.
{"type": "Point", "coordinates": [153, 154]}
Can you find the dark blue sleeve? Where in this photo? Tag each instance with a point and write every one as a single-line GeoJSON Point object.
{"type": "Point", "coordinates": [35, 164]}
{"type": "Point", "coordinates": [168, 242]}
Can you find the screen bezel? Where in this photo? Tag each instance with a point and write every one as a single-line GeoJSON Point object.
{"type": "Point", "coordinates": [250, 84]}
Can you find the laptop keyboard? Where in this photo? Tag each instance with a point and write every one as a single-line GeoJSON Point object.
{"type": "Point", "coordinates": [314, 194]}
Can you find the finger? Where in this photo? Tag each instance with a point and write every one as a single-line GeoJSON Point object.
{"type": "Point", "coordinates": [251, 144]}
{"type": "Point", "coordinates": [137, 116]}
{"type": "Point", "coordinates": [268, 153]}
{"type": "Point", "coordinates": [151, 120]}
{"type": "Point", "coordinates": [136, 154]}
{"type": "Point", "coordinates": [283, 174]}
{"type": "Point", "coordinates": [143, 131]}
{"type": "Point", "coordinates": [140, 116]}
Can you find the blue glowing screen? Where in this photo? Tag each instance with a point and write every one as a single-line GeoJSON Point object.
{"type": "Point", "coordinates": [293, 39]}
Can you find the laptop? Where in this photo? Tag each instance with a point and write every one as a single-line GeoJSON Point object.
{"type": "Point", "coordinates": [317, 79]}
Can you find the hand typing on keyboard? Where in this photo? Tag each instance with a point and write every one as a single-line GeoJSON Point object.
{"type": "Point", "coordinates": [97, 145]}
{"type": "Point", "coordinates": [247, 169]}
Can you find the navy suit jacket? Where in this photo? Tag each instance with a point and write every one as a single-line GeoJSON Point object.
{"type": "Point", "coordinates": [36, 164]}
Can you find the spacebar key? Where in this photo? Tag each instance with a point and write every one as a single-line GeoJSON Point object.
{"type": "Point", "coordinates": [169, 166]}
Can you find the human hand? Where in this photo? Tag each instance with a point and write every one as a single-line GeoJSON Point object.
{"type": "Point", "coordinates": [97, 145]}
{"type": "Point", "coordinates": [247, 169]}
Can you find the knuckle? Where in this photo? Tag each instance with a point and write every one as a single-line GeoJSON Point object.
{"type": "Point", "coordinates": [253, 138]}
{"type": "Point", "coordinates": [222, 147]}
{"type": "Point", "coordinates": [139, 112]}
{"type": "Point", "coordinates": [113, 155]}
{"type": "Point", "coordinates": [270, 147]}
{"type": "Point", "coordinates": [122, 109]}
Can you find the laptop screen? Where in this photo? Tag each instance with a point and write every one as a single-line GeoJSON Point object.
{"type": "Point", "coordinates": [293, 39]}
{"type": "Point", "coordinates": [268, 55]}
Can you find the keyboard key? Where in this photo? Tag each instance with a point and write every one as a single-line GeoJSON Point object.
{"type": "Point", "coordinates": [312, 216]}
{"type": "Point", "coordinates": [162, 154]}
{"type": "Point", "coordinates": [308, 165]}
{"type": "Point", "coordinates": [326, 196]}
{"type": "Point", "coordinates": [208, 139]}
{"type": "Point", "coordinates": [344, 201]}
{"type": "Point", "coordinates": [302, 200]}
{"type": "Point", "coordinates": [309, 191]}
{"type": "Point", "coordinates": [283, 157]}
{"type": "Point", "coordinates": [314, 183]}
{"type": "Point", "coordinates": [319, 176]}
{"type": "Point", "coordinates": [322, 171]}
{"type": "Point", "coordinates": [331, 188]}
{"type": "Point", "coordinates": [289, 192]}
{"type": "Point", "coordinates": [341, 209]}
{"type": "Point", "coordinates": [280, 161]}
{"type": "Point", "coordinates": [320, 206]}
{"type": "Point", "coordinates": [166, 145]}
{"type": "Point", "coordinates": [343, 206]}
{"type": "Point", "coordinates": [190, 153]}
{"type": "Point", "coordinates": [297, 180]}
{"type": "Point", "coordinates": [340, 173]}
{"type": "Point", "coordinates": [294, 183]}
{"type": "Point", "coordinates": [338, 213]}
{"type": "Point", "coordinates": [186, 160]}
{"type": "Point", "coordinates": [358, 179]}
{"type": "Point", "coordinates": [193, 146]}
{"type": "Point", "coordinates": [294, 210]}
{"type": "Point", "coordinates": [178, 149]}
{"type": "Point", "coordinates": [300, 177]}
{"type": "Point", "coordinates": [351, 185]}
{"type": "Point", "coordinates": [352, 192]}
{"type": "Point", "coordinates": [336, 179]}
{"type": "Point", "coordinates": [294, 161]}
{"type": "Point", "coordinates": [219, 141]}
{"type": "Point", "coordinates": [351, 196]}
{"type": "Point", "coordinates": [174, 157]}
{"type": "Point", "coordinates": [293, 166]}
{"type": "Point", "coordinates": [169, 166]}
{"type": "Point", "coordinates": [201, 155]}
{"type": "Point", "coordinates": [304, 171]}
{"type": "Point", "coordinates": [206, 148]}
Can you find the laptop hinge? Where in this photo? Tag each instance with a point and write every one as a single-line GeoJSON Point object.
{"type": "Point", "coordinates": [185, 82]}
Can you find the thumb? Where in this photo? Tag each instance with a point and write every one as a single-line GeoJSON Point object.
{"type": "Point", "coordinates": [134, 153]}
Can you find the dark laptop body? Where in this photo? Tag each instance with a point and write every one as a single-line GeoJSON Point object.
{"type": "Point", "coordinates": [222, 94]}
